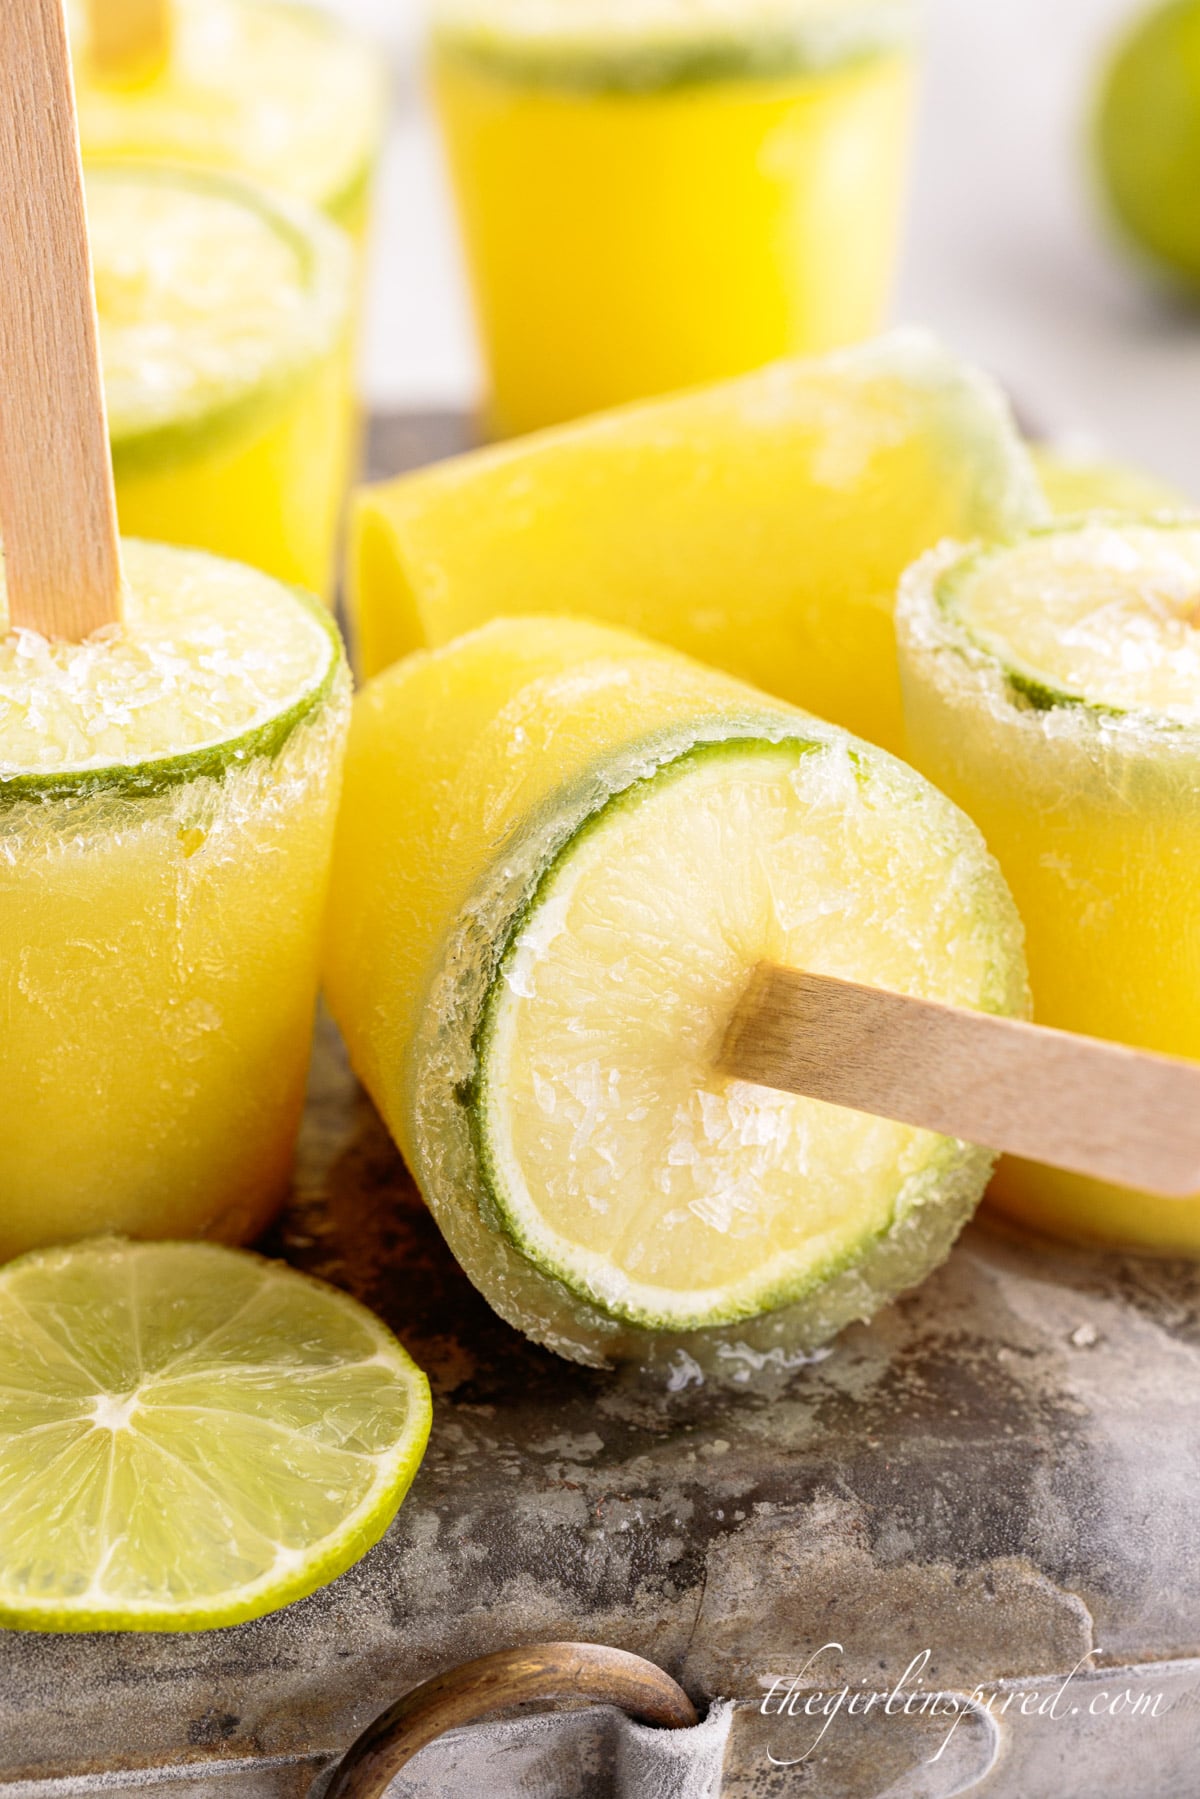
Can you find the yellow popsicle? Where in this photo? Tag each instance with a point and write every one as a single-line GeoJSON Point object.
{"type": "Point", "coordinates": [652, 196]}
{"type": "Point", "coordinates": [167, 798]}
{"type": "Point", "coordinates": [760, 525]}
{"type": "Point", "coordinates": [225, 334]}
{"type": "Point", "coordinates": [1075, 481]}
{"type": "Point", "coordinates": [562, 850]}
{"type": "Point", "coordinates": [1053, 689]}
{"type": "Point", "coordinates": [275, 91]}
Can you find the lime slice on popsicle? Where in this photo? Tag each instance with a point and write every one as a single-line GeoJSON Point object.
{"type": "Point", "coordinates": [1099, 615]}
{"type": "Point", "coordinates": [621, 1162]}
{"type": "Point", "coordinates": [213, 665]}
{"type": "Point", "coordinates": [215, 301]}
{"type": "Point", "coordinates": [190, 1436]}
{"type": "Point", "coordinates": [224, 317]}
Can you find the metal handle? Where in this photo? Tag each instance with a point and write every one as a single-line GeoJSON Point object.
{"type": "Point", "coordinates": [493, 1683]}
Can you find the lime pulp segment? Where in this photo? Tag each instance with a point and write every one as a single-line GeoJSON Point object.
{"type": "Point", "coordinates": [618, 1160]}
{"type": "Point", "coordinates": [190, 1436]}
{"type": "Point", "coordinates": [1104, 614]}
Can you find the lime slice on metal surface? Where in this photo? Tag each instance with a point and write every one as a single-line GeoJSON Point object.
{"type": "Point", "coordinates": [190, 1436]}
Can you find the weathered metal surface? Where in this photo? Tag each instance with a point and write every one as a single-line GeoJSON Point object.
{"type": "Point", "coordinates": [1003, 1469]}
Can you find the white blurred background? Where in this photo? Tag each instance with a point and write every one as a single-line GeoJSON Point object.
{"type": "Point", "coordinates": [1007, 255]}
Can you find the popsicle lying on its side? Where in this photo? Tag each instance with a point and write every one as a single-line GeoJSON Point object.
{"type": "Point", "coordinates": [561, 852]}
{"type": "Point", "coordinates": [761, 525]}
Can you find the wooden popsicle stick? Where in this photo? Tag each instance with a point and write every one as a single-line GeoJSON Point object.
{"type": "Point", "coordinates": [58, 513]}
{"type": "Point", "coordinates": [1074, 1102]}
{"type": "Point", "coordinates": [128, 40]}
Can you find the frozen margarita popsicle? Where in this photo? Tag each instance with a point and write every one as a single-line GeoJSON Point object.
{"type": "Point", "coordinates": [561, 853]}
{"type": "Point", "coordinates": [761, 525]}
{"type": "Point", "coordinates": [225, 325]}
{"type": "Point", "coordinates": [1053, 689]}
{"type": "Point", "coordinates": [167, 795]}
{"type": "Point", "coordinates": [171, 730]}
{"type": "Point", "coordinates": [655, 194]}
{"type": "Point", "coordinates": [275, 91]}
{"type": "Point", "coordinates": [1083, 481]}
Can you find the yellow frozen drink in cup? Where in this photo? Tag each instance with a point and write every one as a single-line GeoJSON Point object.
{"type": "Point", "coordinates": [656, 193]}
{"type": "Point", "coordinates": [167, 796]}
{"type": "Point", "coordinates": [1052, 688]}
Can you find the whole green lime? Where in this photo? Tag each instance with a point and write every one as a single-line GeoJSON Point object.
{"type": "Point", "coordinates": [1148, 137]}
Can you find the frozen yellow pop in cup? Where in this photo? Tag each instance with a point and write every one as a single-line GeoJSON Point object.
{"type": "Point", "coordinates": [761, 525]}
{"type": "Point", "coordinates": [1076, 481]}
{"type": "Point", "coordinates": [1052, 688]}
{"type": "Point", "coordinates": [562, 851]}
{"type": "Point", "coordinates": [656, 193]}
{"type": "Point", "coordinates": [275, 91]}
{"type": "Point", "coordinates": [167, 798]}
{"type": "Point", "coordinates": [225, 330]}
